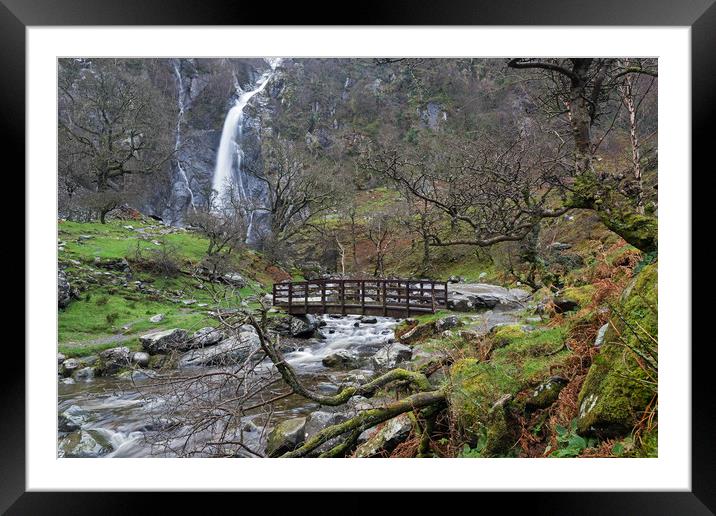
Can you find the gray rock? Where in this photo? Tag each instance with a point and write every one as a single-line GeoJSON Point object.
{"type": "Point", "coordinates": [60, 358]}
{"type": "Point", "coordinates": [229, 351]}
{"type": "Point", "coordinates": [85, 374]}
{"type": "Point", "coordinates": [64, 291]}
{"type": "Point", "coordinates": [234, 279]}
{"type": "Point", "coordinates": [447, 323]}
{"type": "Point", "coordinates": [69, 366]}
{"type": "Point", "coordinates": [386, 438]}
{"type": "Point", "coordinates": [391, 355]}
{"type": "Point", "coordinates": [207, 336]}
{"type": "Point", "coordinates": [341, 359]}
{"type": "Point", "coordinates": [369, 320]}
{"type": "Point", "coordinates": [319, 420]}
{"type": "Point", "coordinates": [83, 444]}
{"type": "Point", "coordinates": [114, 359]}
{"type": "Point", "coordinates": [559, 246]}
{"type": "Point", "coordinates": [601, 333]}
{"type": "Point", "coordinates": [286, 436]}
{"type": "Point", "coordinates": [164, 341]}
{"type": "Point", "coordinates": [139, 358]}
{"type": "Point", "coordinates": [473, 296]}
{"type": "Point", "coordinates": [156, 318]}
{"type": "Point", "coordinates": [303, 326]}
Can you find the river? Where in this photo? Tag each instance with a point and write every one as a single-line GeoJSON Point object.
{"type": "Point", "coordinates": [122, 417]}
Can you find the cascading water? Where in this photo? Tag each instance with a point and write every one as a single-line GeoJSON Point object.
{"type": "Point", "coordinates": [118, 417]}
{"type": "Point", "coordinates": [229, 170]}
{"type": "Point", "coordinates": [182, 196]}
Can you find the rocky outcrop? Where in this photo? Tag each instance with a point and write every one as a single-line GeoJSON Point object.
{"type": "Point", "coordinates": [620, 383]}
{"type": "Point", "coordinates": [468, 297]}
{"type": "Point", "coordinates": [229, 351]}
{"type": "Point", "coordinates": [165, 341]}
{"type": "Point", "coordinates": [286, 436]}
{"type": "Point", "coordinates": [65, 292]}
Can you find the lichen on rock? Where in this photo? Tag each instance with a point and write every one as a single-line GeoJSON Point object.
{"type": "Point", "coordinates": [621, 382]}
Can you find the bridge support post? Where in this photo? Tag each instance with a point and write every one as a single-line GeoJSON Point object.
{"type": "Point", "coordinates": [343, 297]}
{"type": "Point", "coordinates": [407, 297]}
{"type": "Point", "coordinates": [362, 296]}
{"type": "Point", "coordinates": [290, 296]}
{"type": "Point", "coordinates": [323, 296]}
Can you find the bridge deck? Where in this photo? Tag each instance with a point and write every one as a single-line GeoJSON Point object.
{"type": "Point", "coordinates": [391, 298]}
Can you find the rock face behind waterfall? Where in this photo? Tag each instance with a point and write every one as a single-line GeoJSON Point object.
{"type": "Point", "coordinates": [198, 111]}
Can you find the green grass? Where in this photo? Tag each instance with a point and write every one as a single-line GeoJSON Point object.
{"type": "Point", "coordinates": [87, 319]}
{"type": "Point", "coordinates": [112, 240]}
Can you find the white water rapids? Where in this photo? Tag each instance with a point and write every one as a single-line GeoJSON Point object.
{"type": "Point", "coordinates": [115, 417]}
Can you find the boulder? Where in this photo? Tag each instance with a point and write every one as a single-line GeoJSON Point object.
{"type": "Point", "coordinates": [83, 444]}
{"type": "Point", "coordinates": [64, 291]}
{"type": "Point", "coordinates": [391, 355]}
{"type": "Point", "coordinates": [85, 374]}
{"type": "Point", "coordinates": [60, 358]}
{"type": "Point", "coordinates": [234, 279]}
{"type": "Point", "coordinates": [140, 358]}
{"type": "Point", "coordinates": [69, 366]}
{"type": "Point", "coordinates": [286, 436]}
{"type": "Point", "coordinates": [369, 320]}
{"type": "Point", "coordinates": [546, 393]}
{"type": "Point", "coordinates": [619, 386]}
{"type": "Point", "coordinates": [340, 359]}
{"type": "Point", "coordinates": [319, 420]}
{"type": "Point", "coordinates": [114, 359]}
{"type": "Point", "coordinates": [475, 296]}
{"type": "Point", "coordinates": [207, 336]}
{"type": "Point", "coordinates": [562, 305]}
{"type": "Point", "coordinates": [164, 341]}
{"type": "Point", "coordinates": [303, 326]}
{"type": "Point", "coordinates": [447, 323]}
{"type": "Point", "coordinates": [156, 318]}
{"type": "Point", "coordinates": [229, 351]}
{"type": "Point", "coordinates": [386, 438]}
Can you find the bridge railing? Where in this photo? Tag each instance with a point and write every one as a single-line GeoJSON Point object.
{"type": "Point", "coordinates": [361, 296]}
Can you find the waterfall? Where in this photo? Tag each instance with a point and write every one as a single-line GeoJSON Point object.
{"type": "Point", "coordinates": [181, 190]}
{"type": "Point", "coordinates": [229, 157]}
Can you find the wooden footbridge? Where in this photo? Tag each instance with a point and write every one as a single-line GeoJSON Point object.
{"type": "Point", "coordinates": [386, 297]}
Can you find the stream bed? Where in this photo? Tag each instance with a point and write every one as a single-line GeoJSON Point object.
{"type": "Point", "coordinates": [115, 417]}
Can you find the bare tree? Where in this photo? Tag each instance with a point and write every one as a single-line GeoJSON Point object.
{"type": "Point", "coordinates": [112, 126]}
{"type": "Point", "coordinates": [581, 90]}
{"type": "Point", "coordinates": [381, 229]}
{"type": "Point", "coordinates": [298, 189]}
{"type": "Point", "coordinates": [490, 191]}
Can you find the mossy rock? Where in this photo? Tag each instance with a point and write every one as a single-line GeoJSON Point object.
{"type": "Point", "coordinates": [503, 335]}
{"type": "Point", "coordinates": [618, 388]}
{"type": "Point", "coordinates": [483, 396]}
{"type": "Point", "coordinates": [581, 295]}
{"type": "Point", "coordinates": [477, 389]}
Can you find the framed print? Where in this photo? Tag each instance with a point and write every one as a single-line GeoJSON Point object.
{"type": "Point", "coordinates": [430, 253]}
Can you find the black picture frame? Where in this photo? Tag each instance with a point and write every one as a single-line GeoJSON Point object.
{"type": "Point", "coordinates": [700, 15]}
